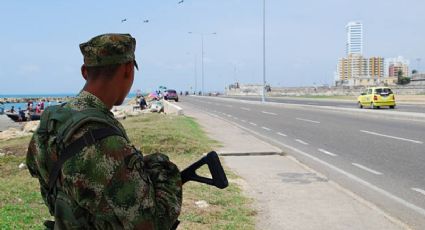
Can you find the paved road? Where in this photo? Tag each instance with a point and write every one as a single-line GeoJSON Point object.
{"type": "Point", "coordinates": [381, 160]}
{"type": "Point", "coordinates": [417, 108]}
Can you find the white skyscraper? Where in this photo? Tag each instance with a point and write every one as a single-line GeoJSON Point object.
{"type": "Point", "coordinates": [354, 38]}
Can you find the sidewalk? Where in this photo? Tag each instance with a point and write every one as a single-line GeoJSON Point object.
{"type": "Point", "coordinates": [287, 194]}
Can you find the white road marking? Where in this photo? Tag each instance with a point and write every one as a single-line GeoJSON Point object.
{"type": "Point", "coordinates": [235, 118]}
{"type": "Point", "coordinates": [243, 121]}
{"type": "Point", "coordinates": [419, 190]}
{"type": "Point", "coordinates": [327, 152]}
{"type": "Point", "coordinates": [229, 115]}
{"type": "Point", "coordinates": [265, 128]}
{"type": "Point", "coordinates": [359, 180]}
{"type": "Point", "coordinates": [243, 108]}
{"type": "Point", "coordinates": [311, 121]}
{"type": "Point", "coordinates": [301, 141]}
{"type": "Point", "coordinates": [269, 113]}
{"type": "Point", "coordinates": [281, 134]}
{"type": "Point", "coordinates": [209, 102]}
{"type": "Point", "coordinates": [393, 137]}
{"type": "Point", "coordinates": [252, 124]}
{"type": "Point", "coordinates": [367, 169]}
{"type": "Point", "coordinates": [230, 106]}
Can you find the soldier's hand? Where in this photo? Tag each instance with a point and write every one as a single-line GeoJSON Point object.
{"type": "Point", "coordinates": [160, 168]}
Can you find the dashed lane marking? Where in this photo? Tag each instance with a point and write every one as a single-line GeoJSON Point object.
{"type": "Point", "coordinates": [421, 191]}
{"type": "Point", "coordinates": [281, 134]}
{"type": "Point", "coordinates": [307, 120]}
{"type": "Point", "coordinates": [269, 113]}
{"type": "Point", "coordinates": [367, 169]}
{"type": "Point", "coordinates": [327, 152]}
{"type": "Point", "coordinates": [359, 180]}
{"type": "Point", "coordinates": [301, 141]}
{"type": "Point", "coordinates": [265, 128]}
{"type": "Point", "coordinates": [393, 137]}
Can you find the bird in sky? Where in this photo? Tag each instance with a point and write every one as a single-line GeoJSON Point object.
{"type": "Point", "coordinates": [124, 20]}
{"type": "Point", "coordinates": [181, 2]}
{"type": "Point", "coordinates": [145, 21]}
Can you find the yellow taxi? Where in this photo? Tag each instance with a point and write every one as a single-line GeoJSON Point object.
{"type": "Point", "coordinates": [376, 97]}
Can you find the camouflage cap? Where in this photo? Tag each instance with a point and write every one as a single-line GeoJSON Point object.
{"type": "Point", "coordinates": [109, 49]}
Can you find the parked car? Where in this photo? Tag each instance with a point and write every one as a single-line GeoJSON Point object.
{"type": "Point", "coordinates": [376, 97]}
{"type": "Point", "coordinates": [171, 94]}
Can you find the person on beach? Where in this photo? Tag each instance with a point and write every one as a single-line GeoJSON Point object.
{"type": "Point", "coordinates": [42, 104]}
{"type": "Point", "coordinates": [142, 103]}
{"type": "Point", "coordinates": [90, 175]}
{"type": "Point", "coordinates": [37, 109]}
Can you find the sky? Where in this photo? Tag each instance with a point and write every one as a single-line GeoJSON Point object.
{"type": "Point", "coordinates": [304, 39]}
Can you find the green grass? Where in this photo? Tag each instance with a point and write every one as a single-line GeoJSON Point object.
{"type": "Point", "coordinates": [21, 206]}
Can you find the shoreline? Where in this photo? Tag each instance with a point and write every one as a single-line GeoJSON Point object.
{"type": "Point", "coordinates": [7, 100]}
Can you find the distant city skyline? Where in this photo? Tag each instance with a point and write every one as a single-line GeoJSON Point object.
{"type": "Point", "coordinates": [354, 31]}
{"type": "Point", "coordinates": [40, 40]}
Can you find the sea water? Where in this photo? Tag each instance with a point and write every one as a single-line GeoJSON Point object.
{"type": "Point", "coordinates": [23, 106]}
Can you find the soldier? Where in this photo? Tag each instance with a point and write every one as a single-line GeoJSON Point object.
{"type": "Point", "coordinates": [91, 176]}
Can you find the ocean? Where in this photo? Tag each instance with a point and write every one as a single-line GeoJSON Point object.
{"type": "Point", "coordinates": [8, 106]}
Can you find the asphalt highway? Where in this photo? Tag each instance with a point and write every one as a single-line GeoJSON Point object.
{"type": "Point", "coordinates": [417, 108]}
{"type": "Point", "coordinates": [380, 159]}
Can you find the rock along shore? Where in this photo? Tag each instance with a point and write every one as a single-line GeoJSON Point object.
{"type": "Point", "coordinates": [5, 100]}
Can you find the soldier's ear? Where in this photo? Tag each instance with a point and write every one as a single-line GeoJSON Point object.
{"type": "Point", "coordinates": [129, 69]}
{"type": "Point", "coordinates": [84, 71]}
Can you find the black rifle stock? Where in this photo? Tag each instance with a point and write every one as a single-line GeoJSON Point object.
{"type": "Point", "coordinates": [219, 178]}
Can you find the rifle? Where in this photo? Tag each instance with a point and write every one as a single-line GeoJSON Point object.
{"type": "Point", "coordinates": [219, 178]}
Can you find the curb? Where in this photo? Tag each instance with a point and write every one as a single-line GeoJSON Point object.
{"type": "Point", "coordinates": [231, 154]}
{"type": "Point", "coordinates": [170, 108]}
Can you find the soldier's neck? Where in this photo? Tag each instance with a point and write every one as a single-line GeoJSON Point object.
{"type": "Point", "coordinates": [104, 93]}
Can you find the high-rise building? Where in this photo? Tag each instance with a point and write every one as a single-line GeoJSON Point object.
{"type": "Point", "coordinates": [358, 70]}
{"type": "Point", "coordinates": [395, 65]}
{"type": "Point", "coordinates": [353, 66]}
{"type": "Point", "coordinates": [354, 38]}
{"type": "Point", "coordinates": [376, 67]}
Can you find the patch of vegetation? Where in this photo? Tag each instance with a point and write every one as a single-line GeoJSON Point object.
{"type": "Point", "coordinates": [21, 206]}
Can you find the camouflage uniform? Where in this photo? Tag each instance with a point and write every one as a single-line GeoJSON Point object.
{"type": "Point", "coordinates": [108, 185]}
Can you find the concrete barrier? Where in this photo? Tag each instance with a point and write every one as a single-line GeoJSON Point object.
{"type": "Point", "coordinates": [171, 108]}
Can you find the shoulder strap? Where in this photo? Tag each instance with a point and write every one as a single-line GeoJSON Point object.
{"type": "Point", "coordinates": [80, 118]}
{"type": "Point", "coordinates": [89, 138]}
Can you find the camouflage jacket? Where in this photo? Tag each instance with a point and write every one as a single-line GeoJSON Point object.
{"type": "Point", "coordinates": [108, 185]}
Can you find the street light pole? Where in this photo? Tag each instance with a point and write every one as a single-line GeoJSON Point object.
{"type": "Point", "coordinates": [263, 96]}
{"type": "Point", "coordinates": [196, 73]}
{"type": "Point", "coordinates": [202, 42]}
{"type": "Point", "coordinates": [202, 58]}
